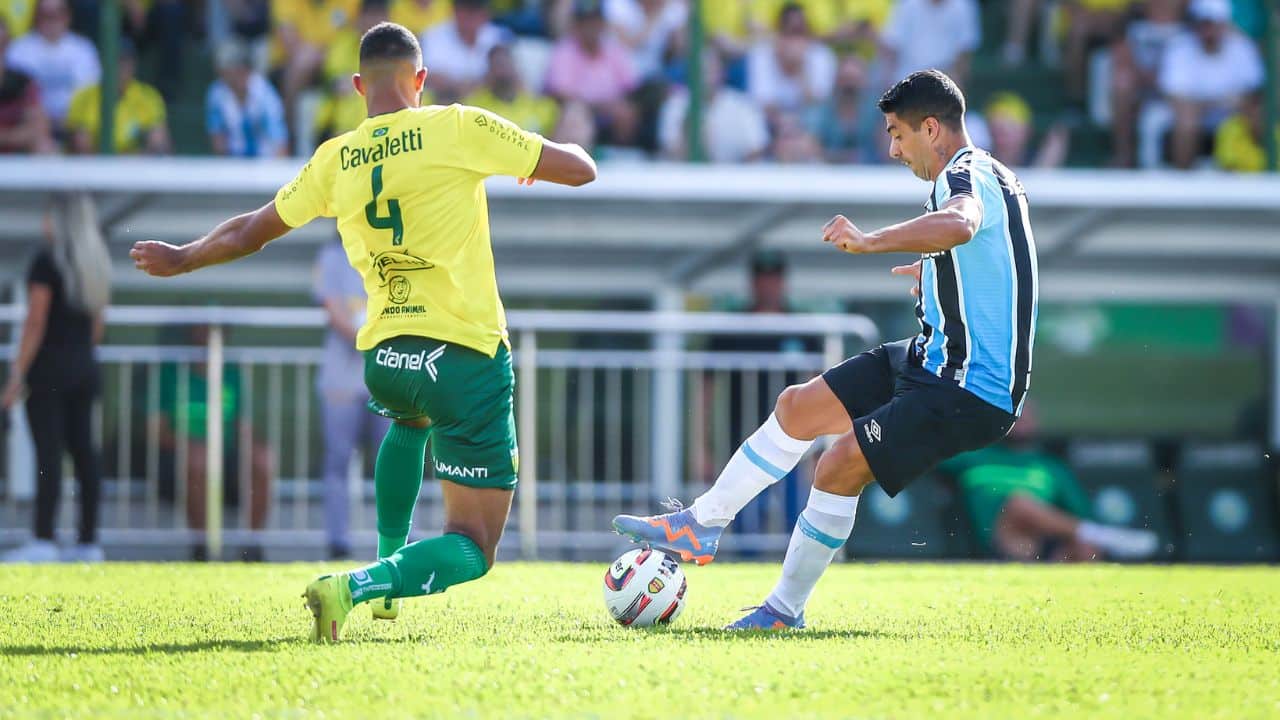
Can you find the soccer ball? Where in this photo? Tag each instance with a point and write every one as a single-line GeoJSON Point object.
{"type": "Point", "coordinates": [644, 587]}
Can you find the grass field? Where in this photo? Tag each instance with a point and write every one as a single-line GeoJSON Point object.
{"type": "Point", "coordinates": [532, 640]}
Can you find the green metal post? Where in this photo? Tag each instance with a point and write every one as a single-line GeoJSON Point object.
{"type": "Point", "coordinates": [1271, 113]}
{"type": "Point", "coordinates": [697, 40]}
{"type": "Point", "coordinates": [109, 43]}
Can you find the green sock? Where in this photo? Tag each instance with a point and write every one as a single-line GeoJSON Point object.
{"type": "Point", "coordinates": [426, 567]}
{"type": "Point", "coordinates": [397, 479]}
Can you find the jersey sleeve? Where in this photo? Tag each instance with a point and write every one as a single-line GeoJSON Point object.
{"type": "Point", "coordinates": [960, 181]}
{"type": "Point", "coordinates": [493, 145]}
{"type": "Point", "coordinates": [305, 198]}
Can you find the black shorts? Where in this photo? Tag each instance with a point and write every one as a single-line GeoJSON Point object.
{"type": "Point", "coordinates": [906, 419]}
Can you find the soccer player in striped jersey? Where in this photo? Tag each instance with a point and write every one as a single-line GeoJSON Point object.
{"type": "Point", "coordinates": [901, 408]}
{"type": "Point", "coordinates": [407, 189]}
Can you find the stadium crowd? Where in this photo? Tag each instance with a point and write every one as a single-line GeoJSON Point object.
{"type": "Point", "coordinates": [1162, 82]}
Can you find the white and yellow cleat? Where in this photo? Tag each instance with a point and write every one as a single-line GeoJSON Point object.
{"type": "Point", "coordinates": [385, 608]}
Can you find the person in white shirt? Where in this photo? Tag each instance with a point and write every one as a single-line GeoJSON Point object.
{"type": "Point", "coordinates": [648, 28]}
{"type": "Point", "coordinates": [59, 60]}
{"type": "Point", "coordinates": [456, 52]}
{"type": "Point", "coordinates": [733, 127]}
{"type": "Point", "coordinates": [937, 34]}
{"type": "Point", "coordinates": [792, 70]}
{"type": "Point", "coordinates": [1203, 74]}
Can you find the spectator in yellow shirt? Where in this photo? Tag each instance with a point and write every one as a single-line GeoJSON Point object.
{"type": "Point", "coordinates": [1239, 144]}
{"type": "Point", "coordinates": [304, 30]}
{"type": "Point", "coordinates": [420, 15]}
{"type": "Point", "coordinates": [343, 108]}
{"type": "Point", "coordinates": [18, 15]}
{"type": "Point", "coordinates": [140, 122]}
{"type": "Point", "coordinates": [503, 94]}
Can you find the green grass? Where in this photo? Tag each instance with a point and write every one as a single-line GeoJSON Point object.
{"type": "Point", "coordinates": [532, 640]}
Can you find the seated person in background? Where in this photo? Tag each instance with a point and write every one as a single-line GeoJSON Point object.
{"type": "Point", "coordinates": [60, 61]}
{"type": "Point", "coordinates": [792, 70]}
{"type": "Point", "coordinates": [140, 122]}
{"type": "Point", "coordinates": [24, 127]}
{"type": "Point", "coordinates": [188, 440]}
{"type": "Point", "coordinates": [304, 30]}
{"type": "Point", "coordinates": [456, 52]}
{"type": "Point", "coordinates": [420, 15]}
{"type": "Point", "coordinates": [1135, 61]}
{"type": "Point", "coordinates": [588, 65]}
{"type": "Point", "coordinates": [1024, 505]}
{"type": "Point", "coordinates": [648, 28]}
{"type": "Point", "coordinates": [1009, 118]}
{"type": "Point", "coordinates": [793, 143]}
{"type": "Point", "coordinates": [243, 113]}
{"type": "Point", "coordinates": [924, 34]}
{"type": "Point", "coordinates": [837, 123]}
{"type": "Point", "coordinates": [247, 22]}
{"type": "Point", "coordinates": [503, 94]}
{"type": "Point", "coordinates": [733, 127]}
{"type": "Point", "coordinates": [1240, 144]}
{"type": "Point", "coordinates": [1090, 24]}
{"type": "Point", "coordinates": [1204, 74]}
{"type": "Point", "coordinates": [576, 125]}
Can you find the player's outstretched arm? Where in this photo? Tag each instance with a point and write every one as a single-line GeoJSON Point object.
{"type": "Point", "coordinates": [564, 164]}
{"type": "Point", "coordinates": [240, 236]}
{"type": "Point", "coordinates": [955, 223]}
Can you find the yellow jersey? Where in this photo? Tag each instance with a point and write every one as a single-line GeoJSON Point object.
{"type": "Point", "coordinates": [420, 17]}
{"type": "Point", "coordinates": [139, 110]}
{"type": "Point", "coordinates": [536, 113]}
{"type": "Point", "coordinates": [407, 189]}
{"type": "Point", "coordinates": [18, 15]}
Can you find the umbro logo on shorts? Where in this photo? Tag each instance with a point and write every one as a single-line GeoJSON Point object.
{"type": "Point", "coordinates": [387, 357]}
{"type": "Point", "coordinates": [872, 429]}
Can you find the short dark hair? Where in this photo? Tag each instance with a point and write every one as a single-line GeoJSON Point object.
{"type": "Point", "coordinates": [389, 41]}
{"type": "Point", "coordinates": [927, 93]}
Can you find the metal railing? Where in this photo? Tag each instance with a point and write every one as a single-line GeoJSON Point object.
{"type": "Point", "coordinates": [615, 410]}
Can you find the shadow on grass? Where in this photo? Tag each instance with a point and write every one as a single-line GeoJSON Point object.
{"type": "Point", "coordinates": [247, 646]}
{"type": "Point", "coordinates": [713, 633]}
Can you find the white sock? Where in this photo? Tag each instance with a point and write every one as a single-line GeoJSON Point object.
{"type": "Point", "coordinates": [762, 460]}
{"type": "Point", "coordinates": [820, 530]}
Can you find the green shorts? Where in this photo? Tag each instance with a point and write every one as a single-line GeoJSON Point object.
{"type": "Point", "coordinates": [466, 394]}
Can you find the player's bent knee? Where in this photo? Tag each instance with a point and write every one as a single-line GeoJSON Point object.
{"type": "Point", "coordinates": [843, 469]}
{"type": "Point", "coordinates": [476, 534]}
{"type": "Point", "coordinates": [787, 408]}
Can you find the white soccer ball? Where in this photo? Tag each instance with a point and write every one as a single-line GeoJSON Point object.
{"type": "Point", "coordinates": [644, 587]}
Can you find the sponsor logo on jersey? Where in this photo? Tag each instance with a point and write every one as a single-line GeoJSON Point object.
{"type": "Point", "coordinates": [459, 471]}
{"type": "Point", "coordinates": [387, 357]}
{"type": "Point", "coordinates": [872, 429]}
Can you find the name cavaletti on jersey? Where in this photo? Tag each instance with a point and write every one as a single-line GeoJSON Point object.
{"type": "Point", "coordinates": [406, 142]}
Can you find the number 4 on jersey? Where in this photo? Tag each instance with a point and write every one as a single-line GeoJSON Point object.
{"type": "Point", "coordinates": [391, 221]}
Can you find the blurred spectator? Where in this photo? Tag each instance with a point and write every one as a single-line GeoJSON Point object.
{"type": "Point", "coordinates": [590, 66]}
{"type": "Point", "coordinates": [343, 108]}
{"type": "Point", "coordinates": [1090, 24]}
{"type": "Point", "coordinates": [729, 26]}
{"type": "Point", "coordinates": [1204, 74]}
{"type": "Point", "coordinates": [24, 127]}
{"type": "Point", "coordinates": [420, 15]}
{"type": "Point", "coordinates": [1135, 61]}
{"type": "Point", "coordinates": [847, 23]}
{"type": "Point", "coordinates": [57, 369]}
{"type": "Point", "coordinates": [184, 397]}
{"type": "Point", "coordinates": [348, 424]}
{"type": "Point", "coordinates": [60, 61]}
{"type": "Point", "coordinates": [1009, 120]}
{"type": "Point", "coordinates": [837, 123]}
{"type": "Point", "coordinates": [791, 70]}
{"type": "Point", "coordinates": [733, 127]}
{"type": "Point", "coordinates": [243, 113]}
{"type": "Point", "coordinates": [1024, 505]}
{"type": "Point", "coordinates": [923, 34]}
{"type": "Point", "coordinates": [304, 29]}
{"type": "Point", "coordinates": [158, 28]}
{"type": "Point", "coordinates": [456, 52]}
{"type": "Point", "coordinates": [140, 122]}
{"type": "Point", "coordinates": [247, 22]}
{"type": "Point", "coordinates": [648, 28]}
{"type": "Point", "coordinates": [503, 94]}
{"type": "Point", "coordinates": [18, 15]}
{"type": "Point", "coordinates": [1240, 144]}
{"type": "Point", "coordinates": [792, 141]}
{"type": "Point", "coordinates": [577, 125]}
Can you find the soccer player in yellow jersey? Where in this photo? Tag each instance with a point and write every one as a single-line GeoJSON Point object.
{"type": "Point", "coordinates": [407, 190]}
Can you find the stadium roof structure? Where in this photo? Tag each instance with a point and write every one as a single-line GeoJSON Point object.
{"type": "Point", "coordinates": [644, 230]}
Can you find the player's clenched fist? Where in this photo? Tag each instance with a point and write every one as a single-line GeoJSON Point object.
{"type": "Point", "coordinates": [157, 258]}
{"type": "Point", "coordinates": [842, 233]}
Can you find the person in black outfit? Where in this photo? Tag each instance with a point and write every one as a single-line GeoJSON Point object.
{"type": "Point", "coordinates": [56, 369]}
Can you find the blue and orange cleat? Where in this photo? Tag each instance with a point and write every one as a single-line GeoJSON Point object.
{"type": "Point", "coordinates": [766, 617]}
{"type": "Point", "coordinates": [676, 532]}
